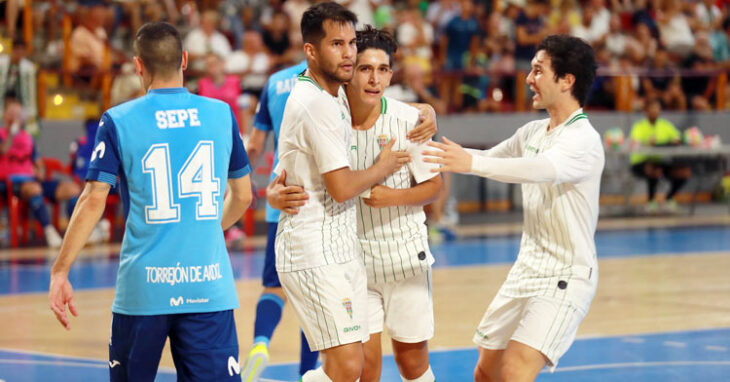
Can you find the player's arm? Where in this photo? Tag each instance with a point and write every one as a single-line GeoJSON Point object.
{"type": "Point", "coordinates": [509, 148]}
{"type": "Point", "coordinates": [285, 198]}
{"type": "Point", "coordinates": [239, 180]}
{"type": "Point", "coordinates": [237, 200]}
{"type": "Point", "coordinates": [418, 195]}
{"type": "Point", "coordinates": [255, 145]}
{"type": "Point", "coordinates": [344, 184]}
{"type": "Point", "coordinates": [87, 213]}
{"type": "Point", "coordinates": [102, 175]}
{"type": "Point", "coordinates": [427, 126]}
{"type": "Point", "coordinates": [261, 126]}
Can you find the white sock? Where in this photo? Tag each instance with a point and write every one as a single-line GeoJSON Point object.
{"type": "Point", "coordinates": [427, 376]}
{"type": "Point", "coordinates": [316, 375]}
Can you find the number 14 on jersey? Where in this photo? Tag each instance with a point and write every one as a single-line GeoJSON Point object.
{"type": "Point", "coordinates": [196, 179]}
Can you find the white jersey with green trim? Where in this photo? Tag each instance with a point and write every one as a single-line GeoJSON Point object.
{"type": "Point", "coordinates": [315, 137]}
{"type": "Point", "coordinates": [394, 240]}
{"type": "Point", "coordinates": [559, 216]}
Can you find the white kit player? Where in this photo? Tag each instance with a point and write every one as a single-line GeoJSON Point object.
{"type": "Point", "coordinates": [391, 221]}
{"type": "Point", "coordinates": [317, 252]}
{"type": "Point", "coordinates": [559, 160]}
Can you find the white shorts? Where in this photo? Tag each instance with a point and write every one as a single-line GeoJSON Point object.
{"type": "Point", "coordinates": [330, 302]}
{"type": "Point", "coordinates": [404, 306]}
{"type": "Point", "coordinates": [544, 323]}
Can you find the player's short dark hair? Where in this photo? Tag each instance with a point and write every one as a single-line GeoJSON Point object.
{"type": "Point", "coordinates": [571, 55]}
{"type": "Point", "coordinates": [372, 38]}
{"type": "Point", "coordinates": [159, 46]}
{"type": "Point", "coordinates": [313, 20]}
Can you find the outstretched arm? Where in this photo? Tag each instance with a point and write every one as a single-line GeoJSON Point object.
{"type": "Point", "coordinates": [453, 158]}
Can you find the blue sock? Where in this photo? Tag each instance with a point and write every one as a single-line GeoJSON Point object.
{"type": "Point", "coordinates": [39, 210]}
{"type": "Point", "coordinates": [268, 315]}
{"type": "Point", "coordinates": [70, 205]}
{"type": "Point", "coordinates": [308, 358]}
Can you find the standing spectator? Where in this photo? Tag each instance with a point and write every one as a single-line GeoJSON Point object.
{"type": "Point", "coordinates": [219, 85]}
{"type": "Point", "coordinates": [415, 37]}
{"type": "Point", "coordinates": [252, 64]}
{"type": "Point", "coordinates": [206, 39]}
{"type": "Point", "coordinates": [18, 78]}
{"type": "Point", "coordinates": [529, 28]}
{"type": "Point", "coordinates": [363, 9]}
{"type": "Point", "coordinates": [458, 47]}
{"type": "Point", "coordinates": [699, 87]}
{"type": "Point", "coordinates": [277, 42]}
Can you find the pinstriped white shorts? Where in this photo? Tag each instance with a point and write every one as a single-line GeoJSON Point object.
{"type": "Point", "coordinates": [404, 307]}
{"type": "Point", "coordinates": [330, 302]}
{"type": "Point", "coordinates": [547, 324]}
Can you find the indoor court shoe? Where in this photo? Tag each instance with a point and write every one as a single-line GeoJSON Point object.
{"type": "Point", "coordinates": [53, 239]}
{"type": "Point", "coordinates": [256, 362]}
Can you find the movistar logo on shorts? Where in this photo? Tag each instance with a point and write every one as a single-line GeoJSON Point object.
{"type": "Point", "coordinates": [233, 366]}
{"type": "Point", "coordinates": [176, 301]}
{"type": "Point", "coordinates": [351, 328]}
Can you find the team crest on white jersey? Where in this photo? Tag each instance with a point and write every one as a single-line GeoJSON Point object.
{"type": "Point", "coordinates": [382, 140]}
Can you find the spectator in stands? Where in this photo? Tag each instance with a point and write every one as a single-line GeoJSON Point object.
{"type": "Point", "coordinates": [363, 9]}
{"type": "Point", "coordinates": [458, 49]}
{"type": "Point", "coordinates": [656, 131]}
{"type": "Point", "coordinates": [206, 39]}
{"type": "Point", "coordinates": [295, 9]}
{"type": "Point", "coordinates": [440, 12]}
{"type": "Point", "coordinates": [415, 37]}
{"type": "Point", "coordinates": [20, 165]}
{"type": "Point", "coordinates": [648, 45]}
{"type": "Point", "coordinates": [219, 85]}
{"type": "Point", "coordinates": [125, 86]}
{"type": "Point", "coordinates": [565, 16]}
{"type": "Point", "coordinates": [252, 64]}
{"type": "Point", "coordinates": [674, 31]}
{"type": "Point", "coordinates": [18, 79]}
{"type": "Point", "coordinates": [590, 29]}
{"type": "Point", "coordinates": [664, 82]}
{"type": "Point", "coordinates": [699, 88]}
{"type": "Point", "coordinates": [276, 40]}
{"type": "Point", "coordinates": [88, 43]}
{"type": "Point", "coordinates": [530, 30]}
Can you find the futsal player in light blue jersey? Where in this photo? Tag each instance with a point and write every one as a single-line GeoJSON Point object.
{"type": "Point", "coordinates": [268, 118]}
{"type": "Point", "coordinates": [174, 153]}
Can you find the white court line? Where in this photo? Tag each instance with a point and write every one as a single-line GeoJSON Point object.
{"type": "Point", "coordinates": [67, 363]}
{"type": "Point", "coordinates": [674, 344]}
{"type": "Point", "coordinates": [92, 361]}
{"type": "Point", "coordinates": [633, 340]}
{"type": "Point", "coordinates": [715, 348]}
{"type": "Point", "coordinates": [606, 366]}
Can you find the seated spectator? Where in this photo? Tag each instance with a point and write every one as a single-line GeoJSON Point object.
{"type": "Point", "coordinates": [699, 87]}
{"type": "Point", "coordinates": [206, 39]}
{"type": "Point", "coordinates": [126, 85]}
{"type": "Point", "coordinates": [458, 50]}
{"type": "Point", "coordinates": [656, 131]}
{"type": "Point", "coordinates": [664, 82]}
{"type": "Point", "coordinates": [20, 165]}
{"type": "Point", "coordinates": [415, 37]}
{"type": "Point", "coordinates": [674, 31]}
{"type": "Point", "coordinates": [89, 44]}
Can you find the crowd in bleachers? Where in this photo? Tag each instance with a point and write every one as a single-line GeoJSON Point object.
{"type": "Point", "coordinates": [460, 54]}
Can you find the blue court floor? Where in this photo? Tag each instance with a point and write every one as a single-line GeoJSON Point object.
{"type": "Point", "coordinates": [680, 356]}
{"type": "Point", "coordinates": [698, 355]}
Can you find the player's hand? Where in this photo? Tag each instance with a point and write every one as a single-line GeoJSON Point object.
{"type": "Point", "coordinates": [426, 127]}
{"type": "Point", "coordinates": [60, 294]}
{"type": "Point", "coordinates": [379, 197]}
{"type": "Point", "coordinates": [451, 156]}
{"type": "Point", "coordinates": [285, 198]}
{"type": "Point", "coordinates": [391, 160]}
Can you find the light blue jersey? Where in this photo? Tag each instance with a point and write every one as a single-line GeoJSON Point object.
{"type": "Point", "coordinates": [173, 152]}
{"type": "Point", "coordinates": [271, 111]}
